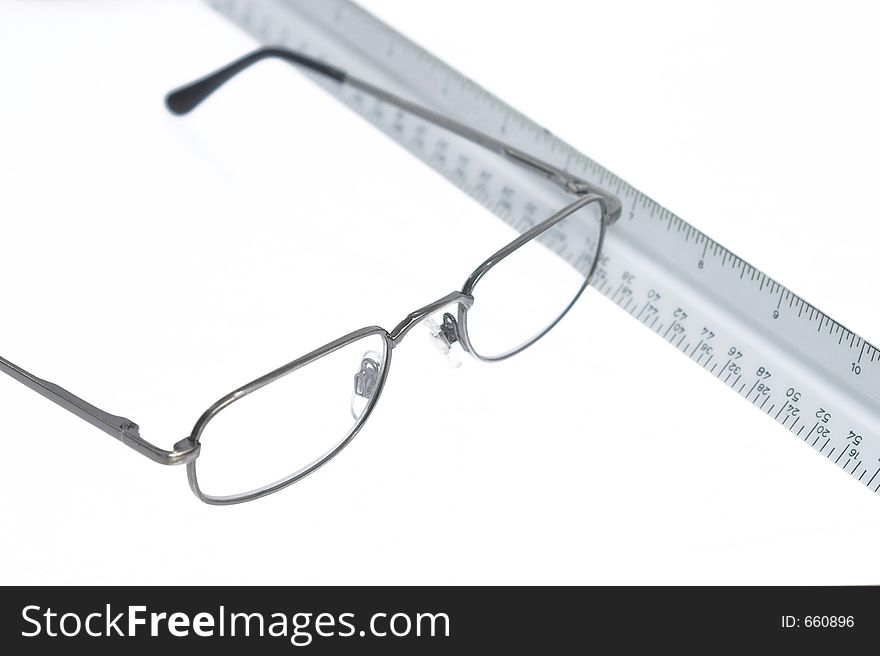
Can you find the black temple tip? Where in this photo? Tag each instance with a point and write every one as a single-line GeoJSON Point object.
{"type": "Point", "coordinates": [186, 98]}
{"type": "Point", "coordinates": [182, 101]}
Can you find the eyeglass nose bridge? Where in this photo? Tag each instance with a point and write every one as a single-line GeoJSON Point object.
{"type": "Point", "coordinates": [449, 328]}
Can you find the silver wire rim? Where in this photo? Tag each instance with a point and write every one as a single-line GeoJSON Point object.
{"type": "Point", "coordinates": [500, 255]}
{"type": "Point", "coordinates": [290, 368]}
{"type": "Point", "coordinates": [464, 299]}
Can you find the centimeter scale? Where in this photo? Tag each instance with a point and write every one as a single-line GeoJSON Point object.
{"type": "Point", "coordinates": [797, 365]}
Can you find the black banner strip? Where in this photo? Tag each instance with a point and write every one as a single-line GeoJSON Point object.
{"type": "Point", "coordinates": [437, 620]}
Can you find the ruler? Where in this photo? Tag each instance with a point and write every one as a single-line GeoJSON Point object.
{"type": "Point", "coordinates": [800, 367]}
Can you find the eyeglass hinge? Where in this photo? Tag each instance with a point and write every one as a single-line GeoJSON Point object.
{"type": "Point", "coordinates": [613, 206]}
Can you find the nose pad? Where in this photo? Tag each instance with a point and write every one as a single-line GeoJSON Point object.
{"type": "Point", "coordinates": [366, 383]}
{"type": "Point", "coordinates": [443, 336]}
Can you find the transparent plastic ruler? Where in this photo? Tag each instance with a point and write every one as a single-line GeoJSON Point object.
{"type": "Point", "coordinates": [797, 365]}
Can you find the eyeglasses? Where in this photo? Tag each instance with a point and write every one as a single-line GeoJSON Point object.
{"type": "Point", "coordinates": [507, 303]}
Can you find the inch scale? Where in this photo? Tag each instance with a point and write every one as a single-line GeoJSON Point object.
{"type": "Point", "coordinates": [800, 367]}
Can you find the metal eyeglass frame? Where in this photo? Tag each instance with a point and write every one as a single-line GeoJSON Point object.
{"type": "Point", "coordinates": [187, 450]}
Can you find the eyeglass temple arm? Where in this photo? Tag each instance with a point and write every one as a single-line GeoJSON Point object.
{"type": "Point", "coordinates": [186, 98]}
{"type": "Point", "coordinates": [124, 430]}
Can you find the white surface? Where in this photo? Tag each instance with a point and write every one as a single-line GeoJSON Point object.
{"type": "Point", "coordinates": [152, 263]}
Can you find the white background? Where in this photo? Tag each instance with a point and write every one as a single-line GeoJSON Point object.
{"type": "Point", "coordinates": [151, 264]}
